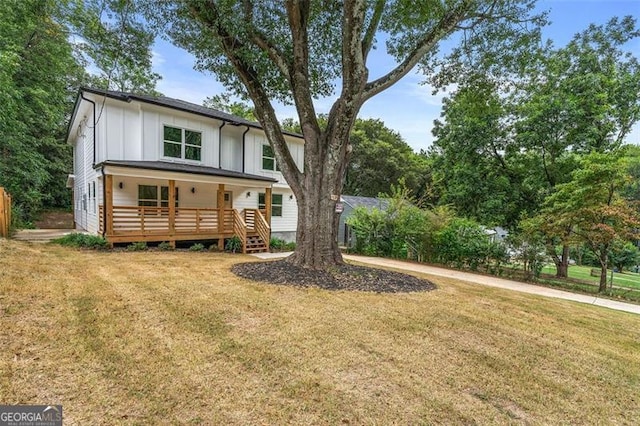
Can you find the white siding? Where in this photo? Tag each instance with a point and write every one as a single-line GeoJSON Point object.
{"type": "Point", "coordinates": [85, 204]}
{"type": "Point", "coordinates": [231, 152]}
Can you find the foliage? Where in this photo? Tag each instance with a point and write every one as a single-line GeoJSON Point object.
{"type": "Point", "coordinates": [511, 132]}
{"type": "Point", "coordinates": [82, 240]}
{"type": "Point", "coordinates": [137, 246]}
{"type": "Point", "coordinates": [165, 246]}
{"type": "Point", "coordinates": [281, 245]}
{"type": "Point", "coordinates": [197, 247]}
{"type": "Point", "coordinates": [295, 52]}
{"type": "Point", "coordinates": [41, 67]}
{"type": "Point", "coordinates": [463, 243]}
{"type": "Point", "coordinates": [624, 255]}
{"type": "Point", "coordinates": [233, 244]}
{"type": "Point", "coordinates": [379, 159]}
{"type": "Point", "coordinates": [592, 206]}
{"type": "Point", "coordinates": [223, 102]}
{"type": "Point", "coordinates": [528, 249]}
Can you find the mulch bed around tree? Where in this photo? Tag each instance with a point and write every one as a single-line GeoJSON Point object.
{"type": "Point", "coordinates": [345, 277]}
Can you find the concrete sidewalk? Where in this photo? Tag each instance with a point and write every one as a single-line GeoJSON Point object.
{"type": "Point", "coordinates": [41, 235]}
{"type": "Point", "coordinates": [480, 279]}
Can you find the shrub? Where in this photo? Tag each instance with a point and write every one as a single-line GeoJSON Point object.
{"type": "Point", "coordinates": [77, 239]}
{"type": "Point", "coordinates": [233, 244]}
{"type": "Point", "coordinates": [137, 246]}
{"type": "Point", "coordinates": [290, 246]}
{"type": "Point", "coordinates": [165, 246]}
{"type": "Point", "coordinates": [277, 243]}
{"type": "Point", "coordinates": [197, 247]}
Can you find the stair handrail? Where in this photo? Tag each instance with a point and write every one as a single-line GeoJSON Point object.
{"type": "Point", "coordinates": [262, 227]}
{"type": "Point", "coordinates": [240, 229]}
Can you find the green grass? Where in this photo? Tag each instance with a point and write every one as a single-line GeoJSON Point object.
{"type": "Point", "coordinates": [625, 279]}
{"type": "Point", "coordinates": [161, 337]}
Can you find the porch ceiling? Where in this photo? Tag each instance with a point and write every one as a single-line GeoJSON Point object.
{"type": "Point", "coordinates": [181, 171]}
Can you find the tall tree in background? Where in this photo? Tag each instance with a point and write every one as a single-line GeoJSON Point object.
{"type": "Point", "coordinates": [293, 51]}
{"type": "Point", "coordinates": [381, 159]}
{"type": "Point", "coordinates": [591, 204]}
{"type": "Point", "coordinates": [37, 71]}
{"type": "Point", "coordinates": [40, 72]}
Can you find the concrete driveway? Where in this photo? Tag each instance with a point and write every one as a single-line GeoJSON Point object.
{"type": "Point", "coordinates": [480, 279]}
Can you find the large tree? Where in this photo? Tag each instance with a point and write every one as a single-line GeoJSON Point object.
{"type": "Point", "coordinates": [294, 51]}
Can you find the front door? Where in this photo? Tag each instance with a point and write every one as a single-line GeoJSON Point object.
{"type": "Point", "coordinates": [228, 199]}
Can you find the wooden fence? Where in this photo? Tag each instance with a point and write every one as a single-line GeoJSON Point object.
{"type": "Point", "coordinates": [5, 213]}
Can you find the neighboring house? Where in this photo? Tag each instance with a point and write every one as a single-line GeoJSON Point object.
{"type": "Point", "coordinates": [149, 168]}
{"type": "Point", "coordinates": [346, 237]}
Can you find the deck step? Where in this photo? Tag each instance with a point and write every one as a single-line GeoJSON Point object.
{"type": "Point", "coordinates": [255, 244]}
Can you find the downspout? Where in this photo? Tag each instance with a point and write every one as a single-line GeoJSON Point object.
{"type": "Point", "coordinates": [243, 146]}
{"type": "Point", "coordinates": [220, 144]}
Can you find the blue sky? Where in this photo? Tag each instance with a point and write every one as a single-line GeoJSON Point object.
{"type": "Point", "coordinates": [408, 107]}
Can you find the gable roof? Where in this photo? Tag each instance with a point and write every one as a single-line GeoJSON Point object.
{"type": "Point", "coordinates": [173, 103]}
{"type": "Point", "coordinates": [369, 203]}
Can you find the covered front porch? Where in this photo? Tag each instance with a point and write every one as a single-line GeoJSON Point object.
{"type": "Point", "coordinates": [140, 205]}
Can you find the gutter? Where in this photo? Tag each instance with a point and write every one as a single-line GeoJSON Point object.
{"type": "Point", "coordinates": [244, 147]}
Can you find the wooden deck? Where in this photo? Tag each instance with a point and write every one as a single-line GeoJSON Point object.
{"type": "Point", "coordinates": [127, 224]}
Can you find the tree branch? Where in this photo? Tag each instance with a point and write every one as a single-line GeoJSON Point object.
{"type": "Point", "coordinates": [298, 14]}
{"type": "Point", "coordinates": [264, 43]}
{"type": "Point", "coordinates": [446, 25]}
{"type": "Point", "coordinates": [367, 41]}
{"type": "Point", "coordinates": [264, 109]}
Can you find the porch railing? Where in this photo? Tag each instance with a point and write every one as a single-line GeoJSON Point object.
{"type": "Point", "coordinates": [156, 220]}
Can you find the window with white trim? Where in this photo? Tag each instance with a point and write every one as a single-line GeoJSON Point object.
{"type": "Point", "coordinates": [276, 203]}
{"type": "Point", "coordinates": [155, 196]}
{"type": "Point", "coordinates": [269, 159]}
{"type": "Point", "coordinates": [182, 143]}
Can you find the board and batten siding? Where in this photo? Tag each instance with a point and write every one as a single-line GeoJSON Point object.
{"type": "Point", "coordinates": [85, 204]}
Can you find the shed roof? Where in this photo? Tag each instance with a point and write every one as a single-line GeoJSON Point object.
{"type": "Point", "coordinates": [369, 203]}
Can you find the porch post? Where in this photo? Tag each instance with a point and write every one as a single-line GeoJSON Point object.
{"type": "Point", "coordinates": [267, 204]}
{"type": "Point", "coordinates": [172, 211]}
{"type": "Point", "coordinates": [108, 204]}
{"type": "Point", "coordinates": [220, 203]}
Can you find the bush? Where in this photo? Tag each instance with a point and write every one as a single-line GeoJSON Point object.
{"type": "Point", "coordinates": [77, 239]}
{"type": "Point", "coordinates": [165, 246]}
{"type": "Point", "coordinates": [137, 246]}
{"type": "Point", "coordinates": [277, 243]}
{"type": "Point", "coordinates": [233, 244]}
{"type": "Point", "coordinates": [290, 246]}
{"type": "Point", "coordinates": [197, 247]}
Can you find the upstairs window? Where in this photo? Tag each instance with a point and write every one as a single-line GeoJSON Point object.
{"type": "Point", "coordinates": [182, 143]}
{"type": "Point", "coordinates": [276, 203]}
{"type": "Point", "coordinates": [269, 158]}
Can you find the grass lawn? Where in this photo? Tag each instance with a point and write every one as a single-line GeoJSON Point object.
{"type": "Point", "coordinates": [175, 338]}
{"type": "Point", "coordinates": [624, 279]}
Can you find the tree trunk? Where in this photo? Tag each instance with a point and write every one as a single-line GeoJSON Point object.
{"type": "Point", "coordinates": [604, 260]}
{"type": "Point", "coordinates": [562, 267]}
{"type": "Point", "coordinates": [317, 229]}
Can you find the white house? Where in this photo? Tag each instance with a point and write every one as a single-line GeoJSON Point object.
{"type": "Point", "coordinates": [132, 154]}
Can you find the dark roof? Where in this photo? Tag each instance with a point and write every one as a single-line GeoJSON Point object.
{"type": "Point", "coordinates": [184, 168]}
{"type": "Point", "coordinates": [367, 202]}
{"type": "Point", "coordinates": [181, 106]}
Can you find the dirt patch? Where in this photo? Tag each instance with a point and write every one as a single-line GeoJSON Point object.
{"type": "Point", "coordinates": [344, 277]}
{"type": "Point", "coordinates": [56, 219]}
